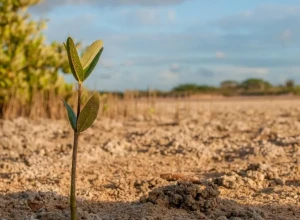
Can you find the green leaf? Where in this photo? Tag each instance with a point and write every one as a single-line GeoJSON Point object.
{"type": "Point", "coordinates": [91, 53]}
{"type": "Point", "coordinates": [74, 60]}
{"type": "Point", "coordinates": [93, 64]}
{"type": "Point", "coordinates": [89, 113]}
{"type": "Point", "coordinates": [70, 63]}
{"type": "Point", "coordinates": [71, 115]}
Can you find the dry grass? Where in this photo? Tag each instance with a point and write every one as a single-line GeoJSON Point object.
{"type": "Point", "coordinates": [44, 104]}
{"type": "Point", "coordinates": [49, 105]}
{"type": "Point", "coordinates": [133, 104]}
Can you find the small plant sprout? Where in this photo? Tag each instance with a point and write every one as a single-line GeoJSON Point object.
{"type": "Point", "coordinates": [81, 68]}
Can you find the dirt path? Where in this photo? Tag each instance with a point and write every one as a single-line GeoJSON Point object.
{"type": "Point", "coordinates": [242, 157]}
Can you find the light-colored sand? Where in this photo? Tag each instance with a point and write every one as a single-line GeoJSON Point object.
{"type": "Point", "coordinates": [250, 150]}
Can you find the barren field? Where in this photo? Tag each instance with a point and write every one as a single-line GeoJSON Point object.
{"type": "Point", "coordinates": [212, 160]}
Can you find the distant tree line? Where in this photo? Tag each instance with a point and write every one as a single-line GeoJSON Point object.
{"type": "Point", "coordinates": [251, 86]}
{"type": "Point", "coordinates": [248, 87]}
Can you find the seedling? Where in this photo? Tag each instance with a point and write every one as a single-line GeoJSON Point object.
{"type": "Point", "coordinates": [81, 68]}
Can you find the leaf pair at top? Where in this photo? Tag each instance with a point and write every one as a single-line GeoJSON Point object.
{"type": "Point", "coordinates": [87, 115]}
{"type": "Point", "coordinates": [82, 68]}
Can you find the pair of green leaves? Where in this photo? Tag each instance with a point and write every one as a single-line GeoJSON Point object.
{"type": "Point", "coordinates": [87, 115]}
{"type": "Point", "coordinates": [82, 68]}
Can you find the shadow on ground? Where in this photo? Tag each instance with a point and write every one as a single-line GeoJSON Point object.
{"type": "Point", "coordinates": [49, 205]}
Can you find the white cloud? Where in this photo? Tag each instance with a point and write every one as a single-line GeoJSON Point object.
{"type": "Point", "coordinates": [263, 18]}
{"type": "Point", "coordinates": [171, 16]}
{"type": "Point", "coordinates": [247, 13]}
{"type": "Point", "coordinates": [126, 2]}
{"type": "Point", "coordinates": [286, 35]}
{"type": "Point", "coordinates": [107, 64]}
{"type": "Point", "coordinates": [127, 63]}
{"type": "Point", "coordinates": [241, 72]}
{"type": "Point", "coordinates": [169, 76]}
{"type": "Point", "coordinates": [48, 5]}
{"type": "Point", "coordinates": [220, 55]}
{"type": "Point", "coordinates": [175, 67]}
{"type": "Point", "coordinates": [146, 16]}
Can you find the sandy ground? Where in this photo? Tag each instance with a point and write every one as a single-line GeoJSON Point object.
{"type": "Point", "coordinates": [222, 160]}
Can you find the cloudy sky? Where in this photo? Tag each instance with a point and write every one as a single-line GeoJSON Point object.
{"type": "Point", "coordinates": [163, 43]}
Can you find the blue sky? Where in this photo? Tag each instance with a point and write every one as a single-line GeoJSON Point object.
{"type": "Point", "coordinates": [163, 43]}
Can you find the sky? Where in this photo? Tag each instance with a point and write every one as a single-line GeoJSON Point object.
{"type": "Point", "coordinates": [160, 44]}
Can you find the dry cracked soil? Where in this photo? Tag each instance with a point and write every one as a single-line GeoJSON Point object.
{"type": "Point", "coordinates": [216, 160]}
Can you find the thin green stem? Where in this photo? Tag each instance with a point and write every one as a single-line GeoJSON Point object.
{"type": "Point", "coordinates": [73, 206]}
{"type": "Point", "coordinates": [79, 98]}
{"type": "Point", "coordinates": [73, 178]}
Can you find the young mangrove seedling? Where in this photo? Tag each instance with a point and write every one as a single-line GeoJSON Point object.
{"type": "Point", "coordinates": [81, 68]}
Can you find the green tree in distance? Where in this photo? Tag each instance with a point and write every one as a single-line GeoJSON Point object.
{"type": "Point", "coordinates": [255, 84]}
{"type": "Point", "coordinates": [290, 83]}
{"type": "Point", "coordinates": [229, 84]}
{"type": "Point", "coordinates": [194, 88]}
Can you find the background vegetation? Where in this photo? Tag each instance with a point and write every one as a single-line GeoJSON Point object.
{"type": "Point", "coordinates": [31, 80]}
{"type": "Point", "coordinates": [27, 64]}
{"type": "Point", "coordinates": [249, 87]}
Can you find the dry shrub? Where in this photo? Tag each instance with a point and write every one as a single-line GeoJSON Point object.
{"type": "Point", "coordinates": [44, 104]}
{"type": "Point", "coordinates": [132, 104]}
